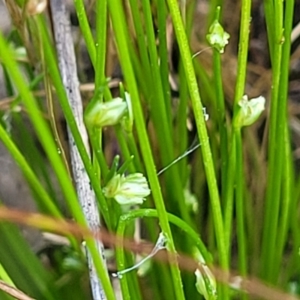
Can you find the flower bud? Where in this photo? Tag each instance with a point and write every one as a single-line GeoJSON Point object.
{"type": "Point", "coordinates": [249, 111]}
{"type": "Point", "coordinates": [106, 113]}
{"type": "Point", "coordinates": [205, 280]}
{"type": "Point", "coordinates": [35, 7]}
{"type": "Point", "coordinates": [128, 190]}
{"type": "Point", "coordinates": [206, 283]}
{"type": "Point", "coordinates": [217, 36]}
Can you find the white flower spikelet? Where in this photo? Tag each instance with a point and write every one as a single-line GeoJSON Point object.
{"type": "Point", "coordinates": [249, 110]}
{"type": "Point", "coordinates": [205, 280]}
{"type": "Point", "coordinates": [206, 283]}
{"type": "Point", "coordinates": [217, 36]}
{"type": "Point", "coordinates": [107, 113]}
{"type": "Point", "coordinates": [127, 190]}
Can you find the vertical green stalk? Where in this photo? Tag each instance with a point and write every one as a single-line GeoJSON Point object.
{"type": "Point", "coordinates": [229, 191]}
{"type": "Point", "coordinates": [182, 136]}
{"type": "Point", "coordinates": [100, 44]}
{"type": "Point", "coordinates": [202, 131]}
{"type": "Point", "coordinates": [141, 41]}
{"type": "Point", "coordinates": [288, 181]}
{"type": "Point", "coordinates": [270, 21]}
{"type": "Point", "coordinates": [278, 152]}
{"type": "Point", "coordinates": [181, 117]}
{"type": "Point", "coordinates": [119, 25]}
{"type": "Point", "coordinates": [220, 112]}
{"type": "Point", "coordinates": [287, 195]}
{"type": "Point", "coordinates": [220, 108]}
{"type": "Point", "coordinates": [295, 233]}
{"type": "Point", "coordinates": [161, 115]}
{"type": "Point", "coordinates": [133, 149]}
{"type": "Point", "coordinates": [85, 29]}
{"type": "Point", "coordinates": [236, 134]}
{"type": "Point", "coordinates": [163, 53]}
{"type": "Point", "coordinates": [275, 147]}
{"type": "Point", "coordinates": [155, 72]}
{"type": "Point", "coordinates": [243, 52]}
{"type": "Point", "coordinates": [240, 210]}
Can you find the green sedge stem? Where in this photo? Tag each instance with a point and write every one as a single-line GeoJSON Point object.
{"type": "Point", "coordinates": [201, 127]}
{"type": "Point", "coordinates": [118, 20]}
{"type": "Point", "coordinates": [275, 149]}
{"type": "Point", "coordinates": [236, 147]}
{"type": "Point", "coordinates": [240, 211]}
{"type": "Point", "coordinates": [276, 169]}
{"type": "Point", "coordinates": [86, 30]}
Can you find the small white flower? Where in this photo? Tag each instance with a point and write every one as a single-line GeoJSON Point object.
{"type": "Point", "coordinates": [217, 36]}
{"type": "Point", "coordinates": [249, 111]}
{"type": "Point", "coordinates": [34, 7]}
{"type": "Point", "coordinates": [128, 190]}
{"type": "Point", "coordinates": [205, 281]}
{"type": "Point", "coordinates": [106, 113]}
